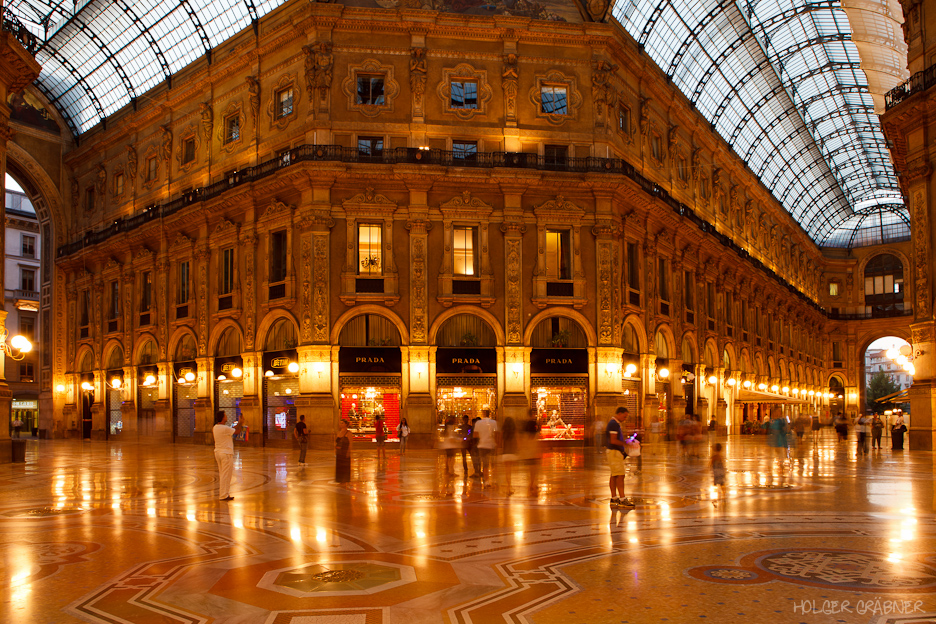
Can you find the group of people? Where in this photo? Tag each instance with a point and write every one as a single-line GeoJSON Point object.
{"type": "Point", "coordinates": [488, 444]}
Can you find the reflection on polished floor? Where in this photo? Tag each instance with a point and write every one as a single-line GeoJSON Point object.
{"type": "Point", "coordinates": [97, 532]}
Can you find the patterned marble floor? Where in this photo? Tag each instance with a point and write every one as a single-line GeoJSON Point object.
{"type": "Point", "coordinates": [98, 532]}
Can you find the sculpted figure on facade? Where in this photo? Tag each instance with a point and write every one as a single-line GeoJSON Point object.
{"type": "Point", "coordinates": [324, 66]}
{"type": "Point", "coordinates": [509, 80]}
{"type": "Point", "coordinates": [418, 69]}
{"type": "Point", "coordinates": [207, 120]}
{"type": "Point", "coordinates": [673, 144]}
{"type": "Point", "coordinates": [253, 90]}
{"type": "Point", "coordinates": [602, 92]}
{"type": "Point", "coordinates": [598, 9]}
{"type": "Point", "coordinates": [131, 163]}
{"type": "Point", "coordinates": [309, 68]}
{"type": "Point", "coordinates": [166, 143]}
{"type": "Point", "coordinates": [100, 182]}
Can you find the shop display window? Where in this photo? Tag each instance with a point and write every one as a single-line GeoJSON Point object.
{"type": "Point", "coordinates": [561, 411]}
{"type": "Point", "coordinates": [361, 404]}
{"type": "Point", "coordinates": [114, 415]}
{"type": "Point", "coordinates": [280, 417]}
{"type": "Point", "coordinates": [185, 395]}
{"type": "Point", "coordinates": [458, 401]}
{"type": "Point", "coordinates": [229, 395]}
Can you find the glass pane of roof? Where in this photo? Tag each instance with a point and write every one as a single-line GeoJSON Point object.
{"type": "Point", "coordinates": [780, 81]}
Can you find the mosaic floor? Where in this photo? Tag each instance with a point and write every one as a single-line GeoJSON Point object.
{"type": "Point", "coordinates": [97, 532]}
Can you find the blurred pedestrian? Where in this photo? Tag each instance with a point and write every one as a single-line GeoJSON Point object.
{"type": "Point", "coordinates": [464, 440]}
{"type": "Point", "coordinates": [448, 444]}
{"type": "Point", "coordinates": [380, 435]}
{"type": "Point", "coordinates": [343, 453]}
{"type": "Point", "coordinates": [717, 462]}
{"type": "Point", "coordinates": [877, 429]}
{"type": "Point", "coordinates": [486, 432]}
{"type": "Point", "coordinates": [301, 433]}
{"type": "Point", "coordinates": [529, 450]}
{"type": "Point", "coordinates": [509, 455]}
{"type": "Point", "coordinates": [403, 432]}
{"type": "Point", "coordinates": [777, 430]}
{"type": "Point", "coordinates": [473, 450]}
{"type": "Point", "coordinates": [861, 429]}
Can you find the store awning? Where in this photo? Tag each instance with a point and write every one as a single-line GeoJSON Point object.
{"type": "Point", "coordinates": [755, 396]}
{"type": "Point", "coordinates": [896, 397]}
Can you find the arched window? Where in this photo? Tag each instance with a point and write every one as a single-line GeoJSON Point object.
{"type": "Point", "coordinates": [884, 287]}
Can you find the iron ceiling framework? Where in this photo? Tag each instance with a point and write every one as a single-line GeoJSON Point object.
{"type": "Point", "coordinates": [97, 56]}
{"type": "Point", "coordinates": [780, 81]}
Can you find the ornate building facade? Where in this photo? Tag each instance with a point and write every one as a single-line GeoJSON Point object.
{"type": "Point", "coordinates": [347, 212]}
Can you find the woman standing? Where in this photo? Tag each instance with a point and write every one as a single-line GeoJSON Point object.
{"type": "Point", "coordinates": [897, 433]}
{"type": "Point", "coordinates": [877, 428]}
{"type": "Point", "coordinates": [402, 433]}
{"type": "Point", "coordinates": [343, 453]}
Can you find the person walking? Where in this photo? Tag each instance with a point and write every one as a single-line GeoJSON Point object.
{"type": "Point", "coordinates": [17, 426]}
{"type": "Point", "coordinates": [877, 429]}
{"type": "Point", "coordinates": [464, 438]}
{"type": "Point", "coordinates": [301, 433]}
{"type": "Point", "coordinates": [224, 452]}
{"type": "Point", "coordinates": [403, 433]}
{"type": "Point", "coordinates": [380, 435]}
{"type": "Point", "coordinates": [473, 450]}
{"type": "Point", "coordinates": [509, 455]}
{"type": "Point", "coordinates": [529, 450]}
{"type": "Point", "coordinates": [777, 433]}
{"type": "Point", "coordinates": [717, 461]}
{"type": "Point", "coordinates": [615, 455]}
{"type": "Point", "coordinates": [343, 453]}
{"type": "Point", "coordinates": [486, 433]}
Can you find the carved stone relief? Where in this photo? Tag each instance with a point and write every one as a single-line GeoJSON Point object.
{"type": "Point", "coordinates": [513, 294]}
{"type": "Point", "coordinates": [418, 69]}
{"type": "Point", "coordinates": [320, 288]}
{"type": "Point", "coordinates": [305, 297]}
{"type": "Point", "coordinates": [509, 80]}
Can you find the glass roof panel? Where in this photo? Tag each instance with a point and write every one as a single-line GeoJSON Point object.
{"type": "Point", "coordinates": [777, 78]}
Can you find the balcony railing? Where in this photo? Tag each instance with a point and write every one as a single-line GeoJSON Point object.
{"type": "Point", "coordinates": [920, 81]}
{"type": "Point", "coordinates": [874, 314]}
{"type": "Point", "coordinates": [416, 156]}
{"type": "Point", "coordinates": [12, 25]}
{"type": "Point", "coordinates": [26, 294]}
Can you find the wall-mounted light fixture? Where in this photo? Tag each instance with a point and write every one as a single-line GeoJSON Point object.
{"type": "Point", "coordinates": [747, 384]}
{"type": "Point", "coordinates": [713, 379]}
{"type": "Point", "coordinates": [611, 370]}
{"type": "Point", "coordinates": [517, 369]}
{"type": "Point", "coordinates": [663, 373]}
{"type": "Point", "coordinates": [17, 347]}
{"type": "Point", "coordinates": [630, 369]}
{"type": "Point", "coordinates": [293, 367]}
{"type": "Point", "coordinates": [762, 386]}
{"type": "Point", "coordinates": [731, 382]}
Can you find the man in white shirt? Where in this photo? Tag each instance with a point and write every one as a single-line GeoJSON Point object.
{"type": "Point", "coordinates": [224, 452]}
{"type": "Point", "coordinates": [486, 432]}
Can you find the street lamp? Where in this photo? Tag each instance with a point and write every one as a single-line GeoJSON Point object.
{"type": "Point", "coordinates": [17, 347]}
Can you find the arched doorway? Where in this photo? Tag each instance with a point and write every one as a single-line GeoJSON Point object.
{"type": "Point", "coordinates": [147, 389]}
{"type": "Point", "coordinates": [280, 382]}
{"type": "Point", "coordinates": [887, 372]}
{"type": "Point", "coordinates": [559, 377]}
{"type": "Point", "coordinates": [114, 391]}
{"type": "Point", "coordinates": [185, 387]}
{"type": "Point", "coordinates": [370, 367]}
{"type": "Point", "coordinates": [229, 375]}
{"type": "Point", "coordinates": [632, 373]}
{"type": "Point", "coordinates": [466, 368]}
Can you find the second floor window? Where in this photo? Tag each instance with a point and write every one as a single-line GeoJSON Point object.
{"type": "Point", "coordinates": [464, 150]}
{"type": "Point", "coordinates": [370, 89]}
{"type": "Point", "coordinates": [118, 183]}
{"type": "Point", "coordinates": [183, 294]}
{"type": "Point", "coordinates": [633, 267]}
{"type": "Point", "coordinates": [227, 271]}
{"type": "Point", "coordinates": [151, 168]}
{"type": "Point", "coordinates": [28, 327]}
{"type": "Point", "coordinates": [464, 94]}
{"type": "Point", "coordinates": [278, 257]}
{"type": "Point", "coordinates": [558, 255]}
{"type": "Point", "coordinates": [84, 312]}
{"type": "Point", "coordinates": [554, 99]}
{"type": "Point", "coordinates": [729, 309]}
{"type": "Point", "coordinates": [624, 120]}
{"type": "Point", "coordinates": [370, 146]}
{"type": "Point", "coordinates": [29, 247]}
{"type": "Point", "coordinates": [369, 247]}
{"type": "Point", "coordinates": [464, 250]}
{"type": "Point", "coordinates": [710, 299]}
{"type": "Point", "coordinates": [231, 128]}
{"type": "Point", "coordinates": [682, 169]}
{"type": "Point", "coordinates": [556, 154]}
{"type": "Point", "coordinates": [284, 103]}
{"type": "Point", "coordinates": [664, 280]}
{"type": "Point", "coordinates": [833, 289]}
{"type": "Point", "coordinates": [28, 280]}
{"type": "Point", "coordinates": [188, 150]}
{"type": "Point", "coordinates": [89, 199]}
{"type": "Point", "coordinates": [688, 290]}
{"type": "Point", "coordinates": [114, 303]}
{"type": "Point", "coordinates": [146, 292]}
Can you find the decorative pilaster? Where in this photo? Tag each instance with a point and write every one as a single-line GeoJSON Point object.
{"type": "Point", "coordinates": [513, 299]}
{"type": "Point", "coordinates": [249, 246]}
{"type": "Point", "coordinates": [203, 257]}
{"type": "Point", "coordinates": [418, 230]}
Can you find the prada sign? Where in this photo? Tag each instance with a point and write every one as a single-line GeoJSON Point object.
{"type": "Point", "coordinates": [460, 361]}
{"type": "Point", "coordinates": [559, 361]}
{"type": "Point", "coordinates": [370, 360]}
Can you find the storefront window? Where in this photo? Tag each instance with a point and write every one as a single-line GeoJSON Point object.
{"type": "Point", "coordinates": [561, 411]}
{"type": "Point", "coordinates": [114, 414]}
{"type": "Point", "coordinates": [361, 404]}
{"type": "Point", "coordinates": [461, 401]}
{"type": "Point", "coordinates": [280, 416]}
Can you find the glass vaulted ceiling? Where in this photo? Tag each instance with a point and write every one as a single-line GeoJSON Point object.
{"type": "Point", "coordinates": [780, 81]}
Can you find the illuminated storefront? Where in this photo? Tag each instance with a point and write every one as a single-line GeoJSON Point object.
{"type": "Point", "coordinates": [466, 382]}
{"type": "Point", "coordinates": [280, 389]}
{"type": "Point", "coordinates": [185, 393]}
{"type": "Point", "coordinates": [114, 389]}
{"type": "Point", "coordinates": [229, 386]}
{"type": "Point", "coordinates": [25, 409]}
{"type": "Point", "coordinates": [369, 379]}
{"type": "Point", "coordinates": [147, 395]}
{"type": "Point", "coordinates": [559, 382]}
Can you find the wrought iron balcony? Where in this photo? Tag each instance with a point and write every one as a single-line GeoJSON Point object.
{"type": "Point", "coordinates": [920, 81]}
{"type": "Point", "coordinates": [12, 25]}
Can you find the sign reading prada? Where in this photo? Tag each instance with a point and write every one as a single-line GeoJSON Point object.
{"type": "Point", "coordinates": [559, 361]}
{"type": "Point", "coordinates": [466, 361]}
{"type": "Point", "coordinates": [370, 360]}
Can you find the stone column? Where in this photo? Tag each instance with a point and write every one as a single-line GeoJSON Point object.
{"type": "Point", "coordinates": [204, 404]}
{"type": "Point", "coordinates": [17, 70]}
{"type": "Point", "coordinates": [251, 406]}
